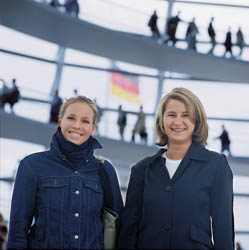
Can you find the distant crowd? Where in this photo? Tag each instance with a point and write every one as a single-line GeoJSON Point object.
{"type": "Point", "coordinates": [11, 95]}
{"type": "Point", "coordinates": [169, 36]}
{"type": "Point", "coordinates": [192, 31]}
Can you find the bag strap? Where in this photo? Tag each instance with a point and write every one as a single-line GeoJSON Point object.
{"type": "Point", "coordinates": [106, 185]}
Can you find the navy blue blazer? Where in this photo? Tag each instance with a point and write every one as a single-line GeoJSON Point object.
{"type": "Point", "coordinates": [193, 210]}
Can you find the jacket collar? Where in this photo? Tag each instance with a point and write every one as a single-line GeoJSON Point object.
{"type": "Point", "coordinates": [195, 152]}
{"type": "Point", "coordinates": [158, 154]}
{"type": "Point", "coordinates": [55, 148]}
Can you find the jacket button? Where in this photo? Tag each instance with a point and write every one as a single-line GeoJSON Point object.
{"type": "Point", "coordinates": [77, 192]}
{"type": "Point", "coordinates": [76, 236]}
{"type": "Point", "coordinates": [168, 188]}
{"type": "Point", "coordinates": [76, 172]}
{"type": "Point", "coordinates": [76, 214]}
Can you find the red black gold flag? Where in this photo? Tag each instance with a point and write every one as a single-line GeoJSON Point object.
{"type": "Point", "coordinates": [125, 86]}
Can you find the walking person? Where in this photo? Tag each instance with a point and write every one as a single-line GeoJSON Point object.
{"type": "Point", "coordinates": [182, 196]}
{"type": "Point", "coordinates": [191, 34]}
{"type": "Point", "coordinates": [121, 121]}
{"type": "Point", "coordinates": [153, 25]}
{"type": "Point", "coordinates": [225, 141]}
{"type": "Point", "coordinates": [212, 34]}
{"type": "Point", "coordinates": [228, 43]}
{"type": "Point", "coordinates": [172, 25]}
{"type": "Point", "coordinates": [140, 127]}
{"type": "Point", "coordinates": [58, 196]}
{"type": "Point", "coordinates": [240, 41]}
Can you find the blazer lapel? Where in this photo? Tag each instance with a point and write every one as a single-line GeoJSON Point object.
{"type": "Point", "coordinates": [183, 165]}
{"type": "Point", "coordinates": [195, 152]}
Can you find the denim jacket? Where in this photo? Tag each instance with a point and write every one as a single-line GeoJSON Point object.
{"type": "Point", "coordinates": [58, 206]}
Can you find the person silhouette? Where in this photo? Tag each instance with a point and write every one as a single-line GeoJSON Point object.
{"type": "Point", "coordinates": [240, 41]}
{"type": "Point", "coordinates": [225, 141]}
{"type": "Point", "coordinates": [11, 95]}
{"type": "Point", "coordinates": [153, 25]}
{"type": "Point", "coordinates": [228, 43]}
{"type": "Point", "coordinates": [121, 121]}
{"type": "Point", "coordinates": [191, 34]}
{"type": "Point", "coordinates": [212, 34]}
{"type": "Point", "coordinates": [140, 127]}
{"type": "Point", "coordinates": [172, 24]}
{"type": "Point", "coordinates": [55, 107]}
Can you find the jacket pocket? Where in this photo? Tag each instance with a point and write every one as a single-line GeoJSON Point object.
{"type": "Point", "coordinates": [201, 236]}
{"type": "Point", "coordinates": [54, 182]}
{"type": "Point", "coordinates": [54, 190]}
{"type": "Point", "coordinates": [94, 193]}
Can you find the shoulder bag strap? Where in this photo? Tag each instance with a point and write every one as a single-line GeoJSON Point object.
{"type": "Point", "coordinates": [106, 185]}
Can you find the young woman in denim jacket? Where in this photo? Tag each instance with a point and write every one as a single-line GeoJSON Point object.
{"type": "Point", "coordinates": [58, 198]}
{"type": "Point", "coordinates": [182, 196]}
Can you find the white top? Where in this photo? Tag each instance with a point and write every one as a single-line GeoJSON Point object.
{"type": "Point", "coordinates": [171, 165]}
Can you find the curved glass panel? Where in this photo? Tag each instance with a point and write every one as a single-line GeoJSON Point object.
{"type": "Point", "coordinates": [34, 78]}
{"type": "Point", "coordinates": [81, 58]}
{"type": "Point", "coordinates": [22, 43]}
{"type": "Point", "coordinates": [130, 16]}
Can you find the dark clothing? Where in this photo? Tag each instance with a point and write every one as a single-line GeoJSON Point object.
{"type": "Point", "coordinates": [153, 25]}
{"type": "Point", "coordinates": [121, 122]}
{"type": "Point", "coordinates": [211, 31]}
{"type": "Point", "coordinates": [171, 29]}
{"type": "Point", "coordinates": [55, 108]}
{"type": "Point", "coordinates": [212, 34]}
{"type": "Point", "coordinates": [1, 243]}
{"type": "Point", "coordinates": [228, 43]}
{"type": "Point", "coordinates": [72, 6]}
{"type": "Point", "coordinates": [60, 188]}
{"type": "Point", "coordinates": [11, 97]}
{"type": "Point", "coordinates": [225, 142]}
{"type": "Point", "coordinates": [164, 213]}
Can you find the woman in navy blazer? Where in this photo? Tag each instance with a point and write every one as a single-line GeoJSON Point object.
{"type": "Point", "coordinates": [181, 197]}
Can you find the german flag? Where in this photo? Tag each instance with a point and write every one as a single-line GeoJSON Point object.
{"type": "Point", "coordinates": [125, 87]}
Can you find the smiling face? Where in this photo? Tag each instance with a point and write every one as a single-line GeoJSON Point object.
{"type": "Point", "coordinates": [77, 123]}
{"type": "Point", "coordinates": [178, 124]}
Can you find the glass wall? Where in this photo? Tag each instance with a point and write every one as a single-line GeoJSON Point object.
{"type": "Point", "coordinates": [36, 77]}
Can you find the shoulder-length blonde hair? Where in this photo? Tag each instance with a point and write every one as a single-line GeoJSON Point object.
{"type": "Point", "coordinates": [82, 99]}
{"type": "Point", "coordinates": [195, 109]}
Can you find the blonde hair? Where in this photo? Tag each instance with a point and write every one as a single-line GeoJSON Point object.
{"type": "Point", "coordinates": [195, 109]}
{"type": "Point", "coordinates": [82, 99]}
